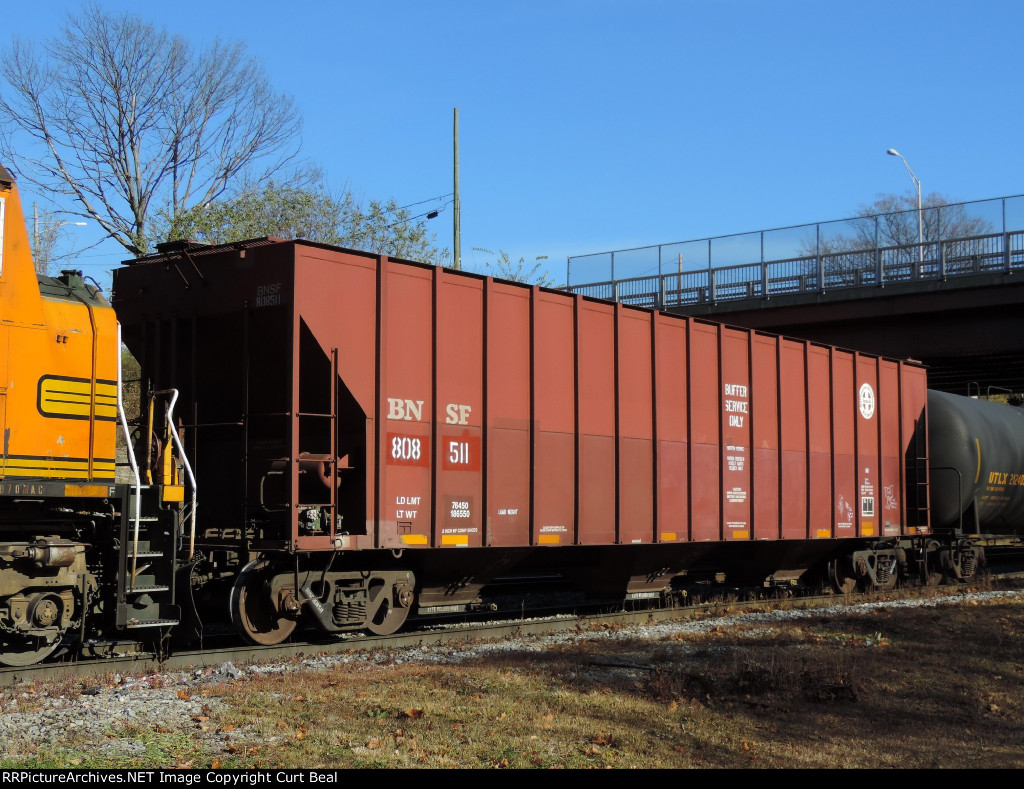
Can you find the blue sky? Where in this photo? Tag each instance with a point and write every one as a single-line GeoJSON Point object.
{"type": "Point", "coordinates": [591, 126]}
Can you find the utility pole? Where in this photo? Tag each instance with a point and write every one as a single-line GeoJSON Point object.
{"type": "Point", "coordinates": [456, 230]}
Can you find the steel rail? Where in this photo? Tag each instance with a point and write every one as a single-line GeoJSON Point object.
{"type": "Point", "coordinates": [133, 658]}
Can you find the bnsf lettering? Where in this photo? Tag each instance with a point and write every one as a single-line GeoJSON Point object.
{"type": "Point", "coordinates": [407, 410]}
{"type": "Point", "coordinates": [457, 414]}
{"type": "Point", "coordinates": [268, 295]}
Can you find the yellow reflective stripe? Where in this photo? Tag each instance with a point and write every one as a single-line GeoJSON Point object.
{"type": "Point", "coordinates": [58, 463]}
{"type": "Point", "coordinates": [70, 397]}
{"type": "Point", "coordinates": [59, 473]}
{"type": "Point", "coordinates": [73, 468]}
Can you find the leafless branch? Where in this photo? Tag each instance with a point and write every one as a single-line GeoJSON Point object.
{"type": "Point", "coordinates": [127, 119]}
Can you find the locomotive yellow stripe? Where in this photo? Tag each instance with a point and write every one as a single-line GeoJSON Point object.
{"type": "Point", "coordinates": [65, 468]}
{"type": "Point", "coordinates": [15, 461]}
{"type": "Point", "coordinates": [58, 473]}
{"type": "Point", "coordinates": [70, 398]}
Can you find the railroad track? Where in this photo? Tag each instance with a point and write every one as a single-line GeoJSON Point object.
{"type": "Point", "coordinates": [133, 658]}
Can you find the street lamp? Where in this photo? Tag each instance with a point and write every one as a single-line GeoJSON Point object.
{"type": "Point", "coordinates": [920, 222]}
{"type": "Point", "coordinates": [52, 224]}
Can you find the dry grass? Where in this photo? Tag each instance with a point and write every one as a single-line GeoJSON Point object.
{"type": "Point", "coordinates": [922, 687]}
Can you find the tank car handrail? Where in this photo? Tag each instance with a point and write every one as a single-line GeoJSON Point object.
{"type": "Point", "coordinates": [137, 487]}
{"type": "Point", "coordinates": [959, 495]}
{"type": "Point", "coordinates": [188, 467]}
{"type": "Point", "coordinates": [989, 389]}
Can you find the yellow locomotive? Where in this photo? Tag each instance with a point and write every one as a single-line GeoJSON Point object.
{"type": "Point", "coordinates": [58, 366]}
{"type": "Point", "coordinates": [72, 539]}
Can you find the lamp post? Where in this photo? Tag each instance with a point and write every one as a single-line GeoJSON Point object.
{"type": "Point", "coordinates": [920, 221]}
{"type": "Point", "coordinates": [35, 235]}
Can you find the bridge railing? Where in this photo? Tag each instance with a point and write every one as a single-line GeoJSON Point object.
{"type": "Point", "coordinates": [939, 260]}
{"type": "Point", "coordinates": [815, 258]}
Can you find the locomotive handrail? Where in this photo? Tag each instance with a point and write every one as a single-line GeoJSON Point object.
{"type": "Point", "coordinates": [137, 494]}
{"type": "Point", "coordinates": [188, 468]}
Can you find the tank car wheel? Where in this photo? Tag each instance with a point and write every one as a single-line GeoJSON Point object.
{"type": "Point", "coordinates": [253, 611]}
{"type": "Point", "coordinates": [25, 650]}
{"type": "Point", "coordinates": [390, 606]}
{"type": "Point", "coordinates": [842, 579]}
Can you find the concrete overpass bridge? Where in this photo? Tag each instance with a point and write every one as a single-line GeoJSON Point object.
{"type": "Point", "coordinates": [952, 298]}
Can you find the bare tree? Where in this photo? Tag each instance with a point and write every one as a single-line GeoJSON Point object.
{"type": "Point", "coordinates": [46, 235]}
{"type": "Point", "coordinates": [126, 119]}
{"type": "Point", "coordinates": [891, 223]}
{"type": "Point", "coordinates": [892, 220]}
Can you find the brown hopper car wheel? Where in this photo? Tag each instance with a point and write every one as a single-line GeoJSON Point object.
{"type": "Point", "coordinates": [931, 570]}
{"type": "Point", "coordinates": [388, 612]}
{"type": "Point", "coordinates": [843, 581]}
{"type": "Point", "coordinates": [253, 612]}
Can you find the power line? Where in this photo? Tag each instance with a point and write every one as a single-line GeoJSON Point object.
{"type": "Point", "coordinates": [428, 214]}
{"type": "Point", "coordinates": [420, 202]}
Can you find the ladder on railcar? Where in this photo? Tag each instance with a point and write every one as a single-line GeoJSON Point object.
{"type": "Point", "coordinates": [919, 482]}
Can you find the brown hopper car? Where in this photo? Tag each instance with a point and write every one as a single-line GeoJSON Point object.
{"type": "Point", "coordinates": [338, 440]}
{"type": "Point", "coordinates": [406, 433]}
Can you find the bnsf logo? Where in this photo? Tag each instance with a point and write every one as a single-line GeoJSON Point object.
{"type": "Point", "coordinates": [412, 411]}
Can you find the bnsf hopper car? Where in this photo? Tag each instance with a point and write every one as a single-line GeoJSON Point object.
{"type": "Point", "coordinates": [338, 439]}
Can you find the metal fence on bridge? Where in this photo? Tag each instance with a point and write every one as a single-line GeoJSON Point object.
{"type": "Point", "coordinates": [960, 239]}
